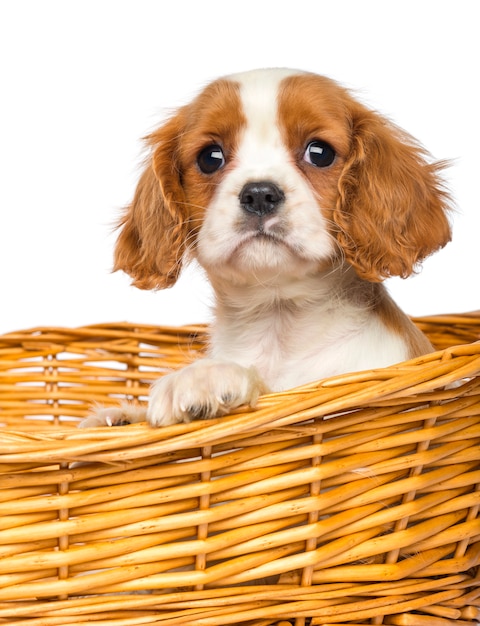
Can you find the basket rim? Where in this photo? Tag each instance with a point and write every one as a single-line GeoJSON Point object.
{"type": "Point", "coordinates": [409, 382]}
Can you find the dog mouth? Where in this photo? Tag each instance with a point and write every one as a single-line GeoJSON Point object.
{"type": "Point", "coordinates": [253, 245]}
{"type": "Point", "coordinates": [261, 235]}
{"type": "Point", "coordinates": [274, 238]}
{"type": "Point", "coordinates": [264, 228]}
{"type": "Point", "coordinates": [265, 248]}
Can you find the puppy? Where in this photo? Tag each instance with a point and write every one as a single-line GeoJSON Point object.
{"type": "Point", "coordinates": [297, 201]}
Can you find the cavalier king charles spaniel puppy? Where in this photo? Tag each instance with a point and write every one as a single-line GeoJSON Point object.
{"type": "Point", "coordinates": [297, 201]}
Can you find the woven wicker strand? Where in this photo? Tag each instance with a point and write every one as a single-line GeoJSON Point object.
{"type": "Point", "coordinates": [352, 500]}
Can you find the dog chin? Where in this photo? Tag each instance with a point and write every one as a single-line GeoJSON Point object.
{"type": "Point", "coordinates": [263, 258]}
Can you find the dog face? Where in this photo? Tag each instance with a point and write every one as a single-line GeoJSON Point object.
{"type": "Point", "coordinates": [276, 174]}
{"type": "Point", "coordinates": [268, 215]}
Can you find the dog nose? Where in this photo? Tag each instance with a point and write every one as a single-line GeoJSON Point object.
{"type": "Point", "coordinates": [261, 198]}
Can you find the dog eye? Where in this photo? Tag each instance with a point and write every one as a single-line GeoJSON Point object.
{"type": "Point", "coordinates": [319, 154]}
{"type": "Point", "coordinates": [211, 159]}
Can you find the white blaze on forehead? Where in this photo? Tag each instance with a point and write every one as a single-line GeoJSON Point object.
{"type": "Point", "coordinates": [264, 76]}
{"type": "Point", "coordinates": [259, 94]}
{"type": "Point", "coordinates": [261, 149]}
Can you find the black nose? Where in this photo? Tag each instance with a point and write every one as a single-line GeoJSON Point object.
{"type": "Point", "coordinates": [261, 198]}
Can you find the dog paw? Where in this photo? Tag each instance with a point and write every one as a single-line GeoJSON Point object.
{"type": "Point", "coordinates": [205, 389]}
{"type": "Point", "coordinates": [114, 416]}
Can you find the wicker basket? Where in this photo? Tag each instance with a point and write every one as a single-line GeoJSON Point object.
{"type": "Point", "coordinates": [353, 500]}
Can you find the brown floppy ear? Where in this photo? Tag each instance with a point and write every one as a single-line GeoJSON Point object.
{"type": "Point", "coordinates": [154, 229]}
{"type": "Point", "coordinates": [392, 207]}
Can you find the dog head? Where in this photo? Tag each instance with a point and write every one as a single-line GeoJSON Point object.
{"type": "Point", "coordinates": [281, 173]}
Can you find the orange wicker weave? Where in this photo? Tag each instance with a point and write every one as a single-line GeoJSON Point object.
{"type": "Point", "coordinates": [353, 500]}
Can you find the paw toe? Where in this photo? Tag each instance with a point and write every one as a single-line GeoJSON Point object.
{"type": "Point", "coordinates": [113, 416]}
{"type": "Point", "coordinates": [196, 412]}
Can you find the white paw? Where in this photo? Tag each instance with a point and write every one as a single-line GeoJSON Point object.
{"type": "Point", "coordinates": [204, 389]}
{"type": "Point", "coordinates": [114, 416]}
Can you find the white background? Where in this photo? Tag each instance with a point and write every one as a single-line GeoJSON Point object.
{"type": "Point", "coordinates": [83, 80]}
